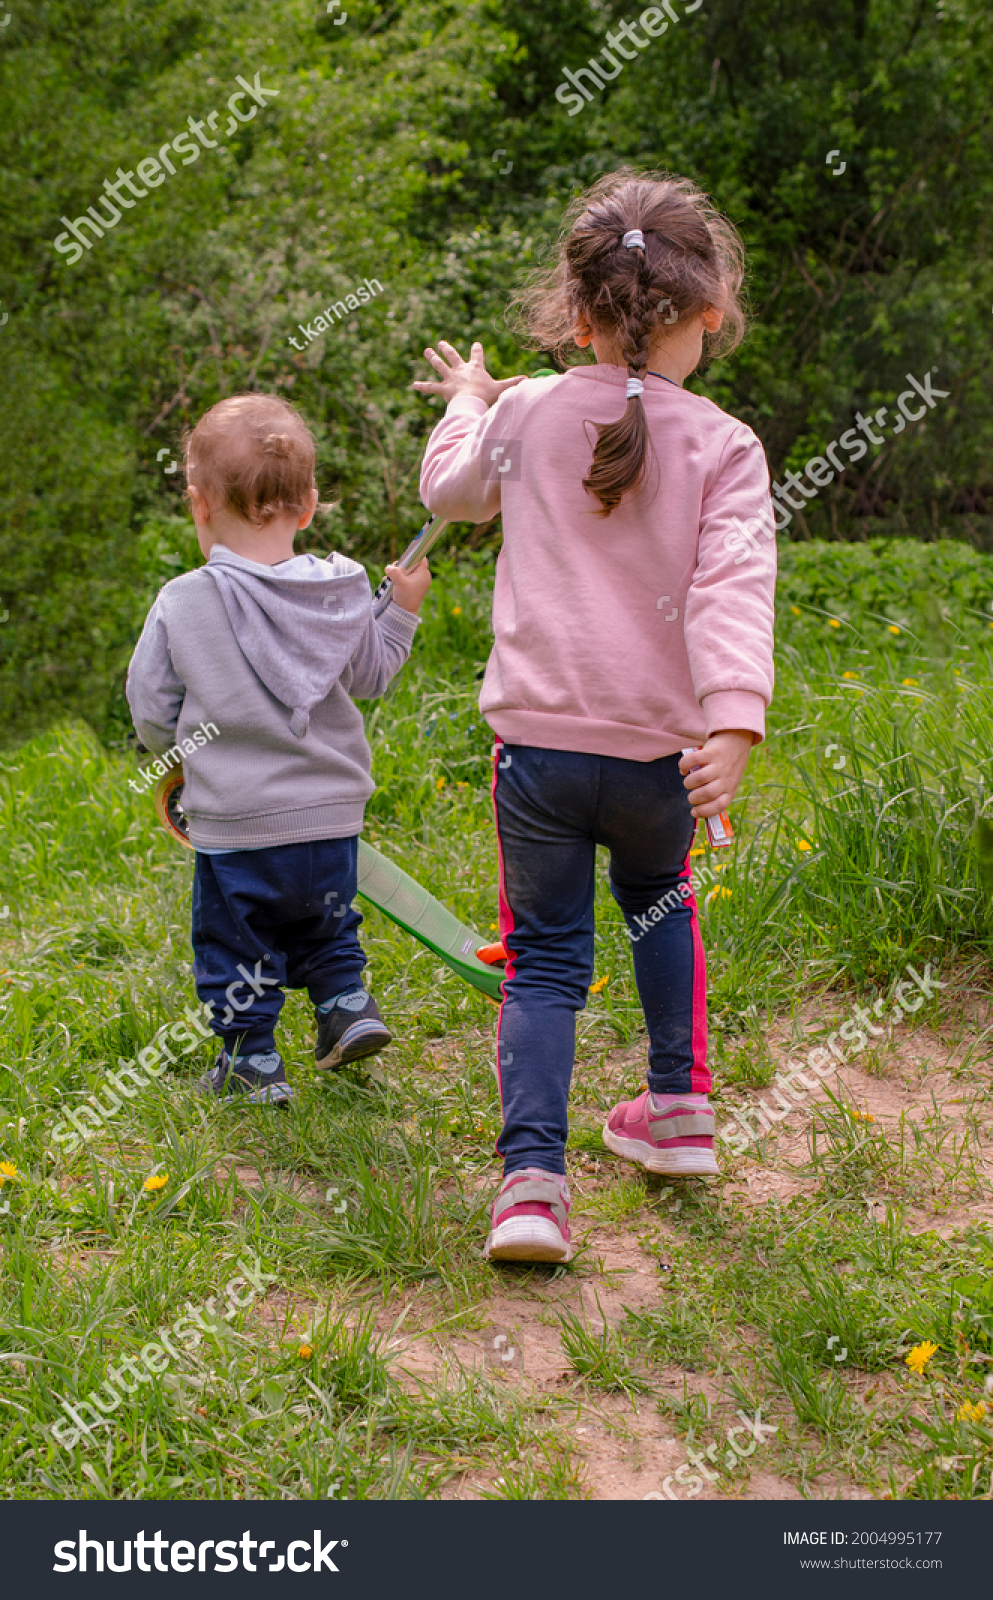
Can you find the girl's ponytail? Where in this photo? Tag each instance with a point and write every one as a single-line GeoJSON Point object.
{"type": "Point", "coordinates": [637, 251]}
{"type": "Point", "coordinates": [624, 449]}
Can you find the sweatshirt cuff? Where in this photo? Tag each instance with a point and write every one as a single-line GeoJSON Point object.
{"type": "Point", "coordinates": [735, 708]}
{"type": "Point", "coordinates": [466, 405]}
{"type": "Point", "coordinates": [399, 624]}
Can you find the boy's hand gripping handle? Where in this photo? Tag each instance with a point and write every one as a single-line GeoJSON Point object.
{"type": "Point", "coordinates": [415, 551]}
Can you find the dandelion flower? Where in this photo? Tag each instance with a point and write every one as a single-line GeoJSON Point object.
{"type": "Point", "coordinates": [305, 1352]}
{"type": "Point", "coordinates": [601, 983]}
{"type": "Point", "coordinates": [153, 1185]}
{"type": "Point", "coordinates": [853, 675]}
{"type": "Point", "coordinates": [440, 784]}
{"type": "Point", "coordinates": [894, 629]}
{"type": "Point", "coordinates": [918, 1358]}
{"type": "Point", "coordinates": [796, 612]}
{"type": "Point", "coordinates": [863, 1116]}
{"type": "Point", "coordinates": [7, 1170]}
{"type": "Point", "coordinates": [914, 683]}
{"type": "Point", "coordinates": [802, 844]}
{"type": "Point", "coordinates": [702, 851]}
{"type": "Point", "coordinates": [832, 623]}
{"type": "Point", "coordinates": [968, 1412]}
{"type": "Point", "coordinates": [456, 611]}
{"type": "Point", "coordinates": [492, 926]}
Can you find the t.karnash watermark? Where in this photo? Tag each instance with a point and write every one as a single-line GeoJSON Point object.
{"type": "Point", "coordinates": [173, 757]}
{"type": "Point", "coordinates": [150, 170]}
{"type": "Point", "coordinates": [654, 24]}
{"type": "Point", "coordinates": [820, 473]}
{"type": "Point", "coordinates": [647, 920]}
{"type": "Point", "coordinates": [336, 311]}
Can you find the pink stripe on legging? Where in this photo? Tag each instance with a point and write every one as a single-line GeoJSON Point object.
{"type": "Point", "coordinates": [700, 1078]}
{"type": "Point", "coordinates": [506, 917]}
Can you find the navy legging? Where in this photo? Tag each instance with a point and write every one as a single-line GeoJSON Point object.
{"type": "Point", "coordinates": [553, 807]}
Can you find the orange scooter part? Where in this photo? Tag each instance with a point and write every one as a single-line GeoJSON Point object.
{"type": "Point", "coordinates": [491, 954]}
{"type": "Point", "coordinates": [168, 806]}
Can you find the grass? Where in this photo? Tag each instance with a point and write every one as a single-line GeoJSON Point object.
{"type": "Point", "coordinates": [353, 1372]}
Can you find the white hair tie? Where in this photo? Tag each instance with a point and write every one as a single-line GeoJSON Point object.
{"type": "Point", "coordinates": [635, 387]}
{"type": "Point", "coordinates": [634, 239]}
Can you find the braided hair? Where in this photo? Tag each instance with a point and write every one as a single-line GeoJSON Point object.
{"type": "Point", "coordinates": [681, 256]}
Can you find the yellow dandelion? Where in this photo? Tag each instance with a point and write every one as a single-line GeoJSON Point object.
{"type": "Point", "coordinates": [456, 611]}
{"type": "Point", "coordinates": [440, 784]}
{"type": "Point", "coordinates": [153, 1185]}
{"type": "Point", "coordinates": [914, 683]}
{"type": "Point", "coordinates": [305, 1352]}
{"type": "Point", "coordinates": [920, 1355]}
{"type": "Point", "coordinates": [832, 623]}
{"type": "Point", "coordinates": [492, 927]}
{"type": "Point", "coordinates": [700, 852]}
{"type": "Point", "coordinates": [968, 1412]}
{"type": "Point", "coordinates": [461, 786]}
{"type": "Point", "coordinates": [601, 984]}
{"type": "Point", "coordinates": [863, 1116]}
{"type": "Point", "coordinates": [796, 612]}
{"type": "Point", "coordinates": [851, 675]}
{"type": "Point", "coordinates": [7, 1170]}
{"type": "Point", "coordinates": [894, 629]}
{"type": "Point", "coordinates": [802, 844]}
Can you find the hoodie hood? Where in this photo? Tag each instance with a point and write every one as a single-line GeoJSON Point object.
{"type": "Point", "coordinates": [297, 633]}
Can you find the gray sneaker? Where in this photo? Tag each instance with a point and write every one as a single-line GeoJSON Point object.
{"type": "Point", "coordinates": [261, 1080]}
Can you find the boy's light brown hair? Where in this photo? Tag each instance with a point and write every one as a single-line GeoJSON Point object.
{"type": "Point", "coordinates": [252, 454]}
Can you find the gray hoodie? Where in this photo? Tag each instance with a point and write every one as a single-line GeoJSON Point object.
{"type": "Point", "coordinates": [269, 657]}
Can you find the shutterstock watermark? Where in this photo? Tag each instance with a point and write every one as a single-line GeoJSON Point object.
{"type": "Point", "coordinates": [93, 1117]}
{"type": "Point", "coordinates": [735, 1454]}
{"type": "Point", "coordinates": [654, 24]}
{"type": "Point", "coordinates": [825, 1062]}
{"type": "Point", "coordinates": [157, 1353]}
{"type": "Point", "coordinates": [150, 170]}
{"type": "Point", "coordinates": [503, 460]}
{"type": "Point", "coordinates": [820, 473]}
{"type": "Point", "coordinates": [173, 757]}
{"type": "Point", "coordinates": [183, 1555]}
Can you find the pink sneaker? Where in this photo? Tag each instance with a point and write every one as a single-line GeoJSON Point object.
{"type": "Point", "coordinates": [530, 1218]}
{"type": "Point", "coordinates": [670, 1133]}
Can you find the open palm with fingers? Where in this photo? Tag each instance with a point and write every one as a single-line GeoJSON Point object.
{"type": "Point", "coordinates": [463, 377]}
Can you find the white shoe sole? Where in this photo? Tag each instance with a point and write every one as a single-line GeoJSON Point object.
{"type": "Point", "coordinates": [527, 1239]}
{"type": "Point", "coordinates": [687, 1161]}
{"type": "Point", "coordinates": [362, 1039]}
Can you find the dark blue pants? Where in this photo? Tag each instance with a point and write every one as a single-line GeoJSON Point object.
{"type": "Point", "coordinates": [553, 807]}
{"type": "Point", "coordinates": [265, 920]}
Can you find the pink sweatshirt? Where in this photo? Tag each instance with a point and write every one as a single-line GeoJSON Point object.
{"type": "Point", "coordinates": [634, 635]}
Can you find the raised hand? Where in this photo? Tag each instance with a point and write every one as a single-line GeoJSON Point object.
{"type": "Point", "coordinates": [463, 377]}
